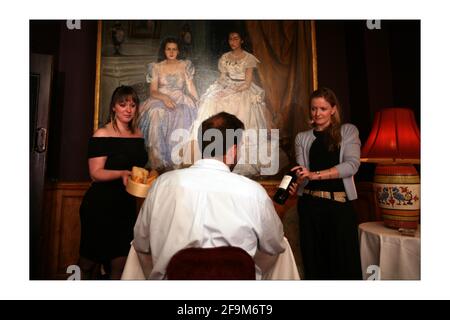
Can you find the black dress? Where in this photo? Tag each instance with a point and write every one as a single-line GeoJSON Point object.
{"type": "Point", "coordinates": [328, 229]}
{"type": "Point", "coordinates": [108, 212]}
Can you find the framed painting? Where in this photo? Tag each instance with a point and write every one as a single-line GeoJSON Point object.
{"type": "Point", "coordinates": [145, 29]}
{"type": "Point", "coordinates": [285, 49]}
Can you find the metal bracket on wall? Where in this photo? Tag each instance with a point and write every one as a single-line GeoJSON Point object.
{"type": "Point", "coordinates": [41, 140]}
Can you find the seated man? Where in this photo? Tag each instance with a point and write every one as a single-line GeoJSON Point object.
{"type": "Point", "coordinates": [207, 205]}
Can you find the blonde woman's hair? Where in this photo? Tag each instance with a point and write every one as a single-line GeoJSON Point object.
{"type": "Point", "coordinates": [334, 130]}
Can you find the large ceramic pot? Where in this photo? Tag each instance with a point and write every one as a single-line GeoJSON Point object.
{"type": "Point", "coordinates": [397, 190]}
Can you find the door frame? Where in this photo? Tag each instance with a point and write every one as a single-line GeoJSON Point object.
{"type": "Point", "coordinates": [41, 65]}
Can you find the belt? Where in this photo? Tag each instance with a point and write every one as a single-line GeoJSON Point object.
{"type": "Point", "coordinates": [336, 196]}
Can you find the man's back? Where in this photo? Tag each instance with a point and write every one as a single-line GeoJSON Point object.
{"type": "Point", "coordinates": [206, 206]}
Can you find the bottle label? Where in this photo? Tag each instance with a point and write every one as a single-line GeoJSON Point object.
{"type": "Point", "coordinates": [285, 182]}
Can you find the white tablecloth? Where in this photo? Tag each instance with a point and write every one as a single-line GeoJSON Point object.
{"type": "Point", "coordinates": [280, 267]}
{"type": "Point", "coordinates": [396, 255]}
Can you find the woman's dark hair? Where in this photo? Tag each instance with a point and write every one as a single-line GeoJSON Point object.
{"type": "Point", "coordinates": [334, 130]}
{"type": "Point", "coordinates": [246, 45]}
{"type": "Point", "coordinates": [162, 48]}
{"type": "Point", "coordinates": [119, 95]}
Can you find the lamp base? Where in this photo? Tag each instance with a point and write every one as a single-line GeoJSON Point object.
{"type": "Point", "coordinates": [397, 190]}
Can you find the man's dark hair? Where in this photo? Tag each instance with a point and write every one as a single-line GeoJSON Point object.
{"type": "Point", "coordinates": [224, 126]}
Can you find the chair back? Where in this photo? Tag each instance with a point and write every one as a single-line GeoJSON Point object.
{"type": "Point", "coordinates": [220, 263]}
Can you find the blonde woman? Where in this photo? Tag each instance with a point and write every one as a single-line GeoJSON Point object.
{"type": "Point", "coordinates": [328, 158]}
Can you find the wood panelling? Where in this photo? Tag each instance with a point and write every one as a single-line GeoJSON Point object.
{"type": "Point", "coordinates": [61, 237]}
{"type": "Point", "coordinates": [61, 228]}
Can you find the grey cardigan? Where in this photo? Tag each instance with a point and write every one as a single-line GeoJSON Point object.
{"type": "Point", "coordinates": [349, 156]}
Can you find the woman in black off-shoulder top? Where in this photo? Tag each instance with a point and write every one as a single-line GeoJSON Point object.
{"type": "Point", "coordinates": [108, 212]}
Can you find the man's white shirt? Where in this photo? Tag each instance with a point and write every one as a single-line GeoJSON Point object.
{"type": "Point", "coordinates": [206, 206]}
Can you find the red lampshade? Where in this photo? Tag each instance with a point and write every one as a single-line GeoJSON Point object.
{"type": "Point", "coordinates": [394, 138]}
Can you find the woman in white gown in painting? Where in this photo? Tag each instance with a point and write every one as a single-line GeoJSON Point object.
{"type": "Point", "coordinates": [171, 106]}
{"type": "Point", "coordinates": [234, 92]}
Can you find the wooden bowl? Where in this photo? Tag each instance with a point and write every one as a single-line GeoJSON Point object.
{"type": "Point", "coordinates": [139, 190]}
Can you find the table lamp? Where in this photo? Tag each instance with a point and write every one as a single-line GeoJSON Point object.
{"type": "Point", "coordinates": [394, 144]}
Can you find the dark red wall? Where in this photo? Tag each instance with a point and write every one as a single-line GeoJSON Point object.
{"type": "Point", "coordinates": [370, 69]}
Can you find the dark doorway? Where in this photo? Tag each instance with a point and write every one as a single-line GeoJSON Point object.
{"type": "Point", "coordinates": [40, 89]}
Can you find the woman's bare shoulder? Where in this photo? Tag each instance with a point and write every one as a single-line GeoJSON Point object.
{"type": "Point", "coordinates": [103, 132]}
{"type": "Point", "coordinates": [138, 133]}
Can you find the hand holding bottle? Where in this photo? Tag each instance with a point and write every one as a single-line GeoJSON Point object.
{"type": "Point", "coordinates": [293, 189]}
{"type": "Point", "coordinates": [285, 188]}
{"type": "Point", "coordinates": [301, 172]}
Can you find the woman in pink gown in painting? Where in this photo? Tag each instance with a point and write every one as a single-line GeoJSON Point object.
{"type": "Point", "coordinates": [172, 105]}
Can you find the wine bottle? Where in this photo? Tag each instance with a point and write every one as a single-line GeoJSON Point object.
{"type": "Point", "coordinates": [282, 193]}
